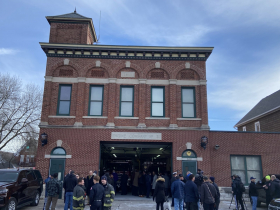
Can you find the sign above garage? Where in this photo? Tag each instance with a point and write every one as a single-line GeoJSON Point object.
{"type": "Point", "coordinates": [136, 135]}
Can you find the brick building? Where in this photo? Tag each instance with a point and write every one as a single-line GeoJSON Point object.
{"type": "Point", "coordinates": [136, 107]}
{"type": "Point", "coordinates": [265, 116]}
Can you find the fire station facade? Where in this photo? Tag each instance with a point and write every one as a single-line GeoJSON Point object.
{"type": "Point", "coordinates": [128, 107]}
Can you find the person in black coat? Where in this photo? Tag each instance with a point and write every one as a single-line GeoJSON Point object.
{"type": "Point", "coordinates": [141, 184]}
{"type": "Point", "coordinates": [217, 201]}
{"type": "Point", "coordinates": [191, 196]}
{"type": "Point", "coordinates": [148, 184]}
{"type": "Point", "coordinates": [124, 179]}
{"type": "Point", "coordinates": [275, 187]}
{"type": "Point", "coordinates": [159, 193]}
{"type": "Point", "coordinates": [88, 184]}
{"type": "Point", "coordinates": [96, 194]}
{"type": "Point", "coordinates": [267, 190]}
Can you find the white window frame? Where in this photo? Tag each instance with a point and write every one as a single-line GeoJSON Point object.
{"type": "Point", "coordinates": [244, 128]}
{"type": "Point", "coordinates": [21, 160]}
{"type": "Point", "coordinates": [257, 127]}
{"type": "Point", "coordinates": [27, 159]}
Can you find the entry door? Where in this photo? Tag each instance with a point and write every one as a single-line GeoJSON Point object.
{"type": "Point", "coordinates": [189, 166]}
{"type": "Point", "coordinates": [58, 166]}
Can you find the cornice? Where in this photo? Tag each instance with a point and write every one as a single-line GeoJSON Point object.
{"type": "Point", "coordinates": [126, 52]}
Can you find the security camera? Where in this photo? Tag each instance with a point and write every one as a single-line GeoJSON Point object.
{"type": "Point", "coordinates": [217, 147]}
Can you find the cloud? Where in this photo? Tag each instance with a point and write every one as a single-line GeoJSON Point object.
{"type": "Point", "coordinates": [242, 92]}
{"type": "Point", "coordinates": [7, 51]}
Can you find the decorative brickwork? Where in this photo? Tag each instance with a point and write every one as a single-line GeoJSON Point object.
{"type": "Point", "coordinates": [65, 73]}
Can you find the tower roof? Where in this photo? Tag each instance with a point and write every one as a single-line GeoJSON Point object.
{"type": "Point", "coordinates": [73, 17]}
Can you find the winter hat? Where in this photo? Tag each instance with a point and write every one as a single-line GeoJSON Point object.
{"type": "Point", "coordinates": [212, 178]}
{"type": "Point", "coordinates": [268, 177]}
{"type": "Point", "coordinates": [174, 173]}
{"type": "Point", "coordinates": [104, 178]}
{"type": "Point", "coordinates": [94, 173]}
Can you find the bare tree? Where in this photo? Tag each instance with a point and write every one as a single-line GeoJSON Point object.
{"type": "Point", "coordinates": [20, 110]}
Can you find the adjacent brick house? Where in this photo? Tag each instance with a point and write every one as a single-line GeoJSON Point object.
{"type": "Point", "coordinates": [265, 116]}
{"type": "Point", "coordinates": [124, 107]}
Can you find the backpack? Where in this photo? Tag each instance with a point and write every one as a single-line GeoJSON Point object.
{"type": "Point", "coordinates": [241, 187]}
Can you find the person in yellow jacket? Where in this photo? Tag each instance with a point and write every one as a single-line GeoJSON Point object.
{"type": "Point", "coordinates": [109, 194]}
{"type": "Point", "coordinates": [79, 195]}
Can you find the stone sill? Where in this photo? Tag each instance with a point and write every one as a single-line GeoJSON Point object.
{"type": "Point", "coordinates": [157, 118]}
{"type": "Point", "coordinates": [90, 117]}
{"type": "Point", "coordinates": [58, 116]}
{"type": "Point", "coordinates": [188, 118]}
{"type": "Point", "coordinates": [129, 118]}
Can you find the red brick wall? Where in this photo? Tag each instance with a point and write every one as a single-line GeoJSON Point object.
{"type": "Point", "coordinates": [238, 143]}
{"type": "Point", "coordinates": [84, 146]}
{"type": "Point", "coordinates": [70, 33]}
{"type": "Point", "coordinates": [268, 123]}
{"type": "Point", "coordinates": [83, 67]}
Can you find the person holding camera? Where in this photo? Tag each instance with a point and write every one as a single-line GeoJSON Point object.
{"type": "Point", "coordinates": [237, 190]}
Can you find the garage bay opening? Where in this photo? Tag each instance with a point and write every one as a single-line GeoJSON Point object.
{"type": "Point", "coordinates": [131, 159]}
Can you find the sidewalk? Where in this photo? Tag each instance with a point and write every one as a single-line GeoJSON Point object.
{"type": "Point", "coordinates": [129, 202]}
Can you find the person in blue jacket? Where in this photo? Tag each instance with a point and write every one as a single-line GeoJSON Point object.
{"type": "Point", "coordinates": [191, 193]}
{"type": "Point", "coordinates": [177, 190]}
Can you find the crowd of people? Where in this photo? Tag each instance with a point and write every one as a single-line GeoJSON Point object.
{"type": "Point", "coordinates": [98, 192]}
{"type": "Point", "coordinates": [190, 191]}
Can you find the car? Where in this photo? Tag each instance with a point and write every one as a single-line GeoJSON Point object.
{"type": "Point", "coordinates": [261, 191]}
{"type": "Point", "coordinates": [20, 187]}
{"type": "Point", "coordinates": [274, 204]}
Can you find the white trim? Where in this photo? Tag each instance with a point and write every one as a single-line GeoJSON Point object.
{"type": "Point", "coordinates": [195, 159]}
{"type": "Point", "coordinates": [257, 126]}
{"type": "Point", "coordinates": [131, 118]}
{"type": "Point", "coordinates": [89, 117]}
{"type": "Point", "coordinates": [124, 81]}
{"type": "Point", "coordinates": [58, 156]}
{"type": "Point", "coordinates": [128, 81]}
{"type": "Point", "coordinates": [58, 116]}
{"type": "Point", "coordinates": [188, 118]}
{"type": "Point", "coordinates": [157, 82]}
{"type": "Point", "coordinates": [97, 81]}
{"type": "Point", "coordinates": [65, 79]}
{"type": "Point", "coordinates": [244, 128]}
{"type": "Point", "coordinates": [157, 118]}
{"type": "Point", "coordinates": [188, 82]}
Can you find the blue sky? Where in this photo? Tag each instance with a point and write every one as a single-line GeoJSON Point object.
{"type": "Point", "coordinates": [243, 68]}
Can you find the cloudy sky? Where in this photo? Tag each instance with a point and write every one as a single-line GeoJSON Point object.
{"type": "Point", "coordinates": [243, 68]}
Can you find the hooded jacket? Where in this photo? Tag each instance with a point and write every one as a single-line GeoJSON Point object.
{"type": "Point", "coordinates": [236, 186]}
{"type": "Point", "coordinates": [159, 193]}
{"type": "Point", "coordinates": [69, 183]}
{"type": "Point", "coordinates": [208, 193]}
{"type": "Point", "coordinates": [177, 189]}
{"type": "Point", "coordinates": [275, 188]}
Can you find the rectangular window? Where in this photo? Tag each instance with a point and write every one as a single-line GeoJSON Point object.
{"type": "Point", "coordinates": [27, 158]}
{"type": "Point", "coordinates": [64, 100]}
{"type": "Point", "coordinates": [157, 102]}
{"type": "Point", "coordinates": [126, 101]}
{"type": "Point", "coordinates": [96, 100]}
{"type": "Point", "coordinates": [257, 127]}
{"type": "Point", "coordinates": [246, 167]}
{"type": "Point", "coordinates": [244, 128]}
{"type": "Point", "coordinates": [188, 102]}
{"type": "Point", "coordinates": [21, 159]}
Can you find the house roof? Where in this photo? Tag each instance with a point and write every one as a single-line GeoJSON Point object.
{"type": "Point", "coordinates": [267, 105]}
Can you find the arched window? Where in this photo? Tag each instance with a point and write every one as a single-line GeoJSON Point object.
{"type": "Point", "coordinates": [58, 151]}
{"type": "Point", "coordinates": [189, 154]}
